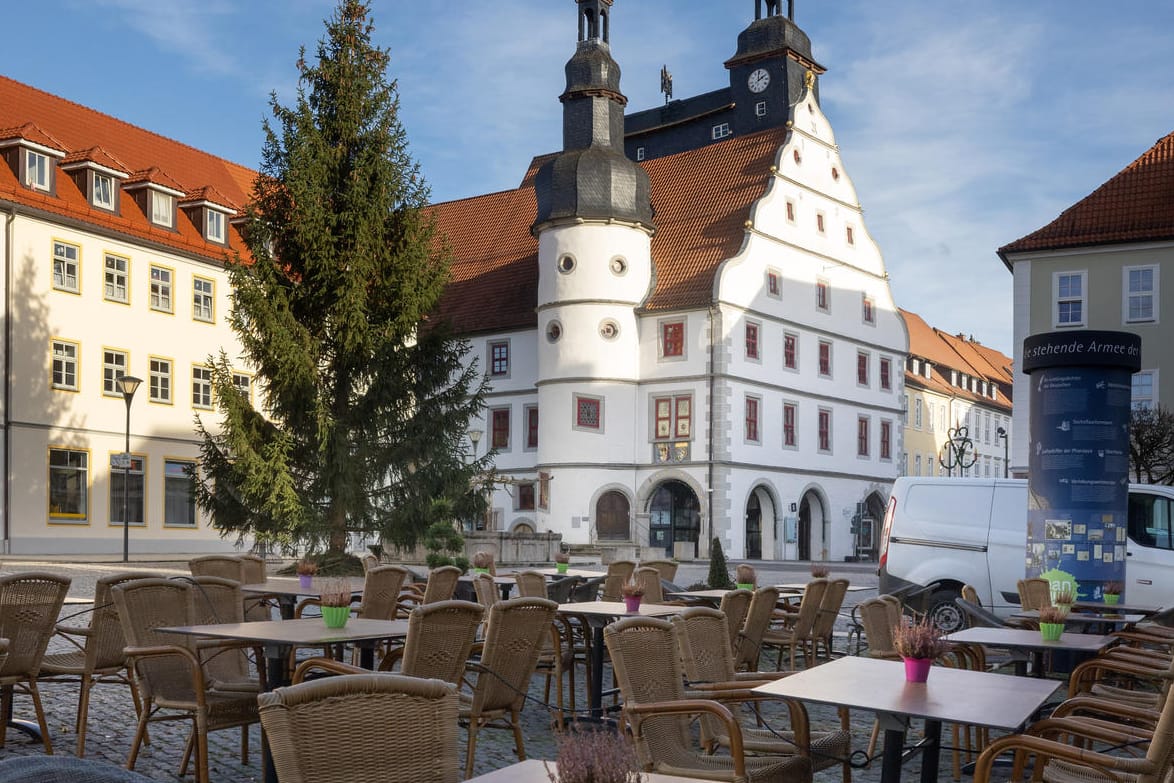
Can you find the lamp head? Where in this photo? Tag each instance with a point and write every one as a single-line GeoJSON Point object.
{"type": "Point", "coordinates": [127, 385]}
{"type": "Point", "coordinates": [1002, 433]}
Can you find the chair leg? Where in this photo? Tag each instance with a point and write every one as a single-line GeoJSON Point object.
{"type": "Point", "coordinates": [471, 747]}
{"type": "Point", "coordinates": [188, 748]}
{"type": "Point", "coordinates": [144, 716]}
{"type": "Point", "coordinates": [519, 743]}
{"type": "Point", "coordinates": [201, 748]}
{"type": "Point", "coordinates": [40, 710]}
{"type": "Point", "coordinates": [244, 744]}
{"type": "Point", "coordinates": [5, 711]}
{"type": "Point", "coordinates": [83, 714]}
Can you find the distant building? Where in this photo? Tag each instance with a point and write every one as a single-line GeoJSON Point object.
{"type": "Point", "coordinates": [1100, 265]}
{"type": "Point", "coordinates": [952, 381]}
{"type": "Point", "coordinates": [702, 344]}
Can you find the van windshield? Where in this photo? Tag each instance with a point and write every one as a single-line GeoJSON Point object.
{"type": "Point", "coordinates": [1149, 521]}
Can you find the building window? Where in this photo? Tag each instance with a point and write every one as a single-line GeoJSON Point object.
{"type": "Point", "coordinates": [499, 359]}
{"type": "Point", "coordinates": [825, 358]}
{"type": "Point", "coordinates": [214, 226]}
{"type": "Point", "coordinates": [65, 267]}
{"type": "Point", "coordinates": [1141, 287]}
{"type": "Point", "coordinates": [117, 287]}
{"type": "Point", "coordinates": [790, 410]}
{"type": "Point", "coordinates": [588, 413]}
{"type": "Point", "coordinates": [531, 412]}
{"type": "Point", "coordinates": [862, 436]}
{"type": "Point", "coordinates": [822, 296]}
{"type": "Point", "coordinates": [862, 361]}
{"type": "Point", "coordinates": [886, 373]}
{"type": "Point", "coordinates": [868, 310]}
{"type": "Point", "coordinates": [159, 380]}
{"type": "Point", "coordinates": [752, 419]}
{"type": "Point", "coordinates": [673, 417]}
{"type": "Point", "coordinates": [886, 440]}
{"type": "Point", "coordinates": [203, 297]}
{"type": "Point", "coordinates": [825, 430]}
{"type": "Point", "coordinates": [851, 235]}
{"type": "Point", "coordinates": [791, 211]}
{"type": "Point", "coordinates": [819, 222]}
{"type": "Point", "coordinates": [721, 131]}
{"type": "Point", "coordinates": [773, 284]}
{"type": "Point", "coordinates": [1142, 397]}
{"type": "Point", "coordinates": [68, 485]}
{"type": "Point", "coordinates": [103, 193]}
{"type": "Point", "coordinates": [179, 501]}
{"type": "Point", "coordinates": [639, 153]}
{"type": "Point", "coordinates": [201, 387]}
{"type": "Point", "coordinates": [760, 109]}
{"type": "Point", "coordinates": [672, 338]}
{"type": "Point", "coordinates": [500, 423]}
{"type": "Point", "coordinates": [1069, 298]}
{"type": "Point", "coordinates": [525, 500]}
{"type": "Point", "coordinates": [917, 413]}
{"type": "Point", "coordinates": [135, 492]}
{"type": "Point", "coordinates": [65, 365]}
{"type": "Point", "coordinates": [161, 289]}
{"type": "Point", "coordinates": [929, 419]}
{"type": "Point", "coordinates": [162, 209]}
{"type": "Point", "coordinates": [36, 170]}
{"type": "Point", "coordinates": [243, 383]}
{"type": "Point", "coordinates": [791, 350]}
{"type": "Point", "coordinates": [113, 368]}
{"type": "Point", "coordinates": [751, 340]}
{"type": "Point", "coordinates": [917, 465]}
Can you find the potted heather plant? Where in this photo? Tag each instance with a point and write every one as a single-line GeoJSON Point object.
{"type": "Point", "coordinates": [335, 598]}
{"type": "Point", "coordinates": [306, 569]}
{"type": "Point", "coordinates": [561, 562]}
{"type": "Point", "coordinates": [1063, 596]}
{"type": "Point", "coordinates": [819, 572]}
{"type": "Point", "coordinates": [1051, 623]}
{"type": "Point", "coordinates": [918, 643]}
{"type": "Point", "coordinates": [594, 756]}
{"type": "Point", "coordinates": [1111, 593]}
{"type": "Point", "coordinates": [745, 577]}
{"type": "Point", "coordinates": [482, 562]}
{"type": "Point", "coordinates": [633, 594]}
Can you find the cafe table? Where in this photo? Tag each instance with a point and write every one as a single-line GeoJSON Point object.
{"type": "Point", "coordinates": [288, 589]}
{"type": "Point", "coordinates": [536, 771]}
{"type": "Point", "coordinates": [504, 581]}
{"type": "Point", "coordinates": [1103, 621]}
{"type": "Point", "coordinates": [598, 614]}
{"type": "Point", "coordinates": [979, 698]}
{"type": "Point", "coordinates": [556, 574]}
{"type": "Point", "coordinates": [1101, 606]}
{"type": "Point", "coordinates": [1027, 639]}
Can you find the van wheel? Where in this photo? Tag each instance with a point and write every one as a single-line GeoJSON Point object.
{"type": "Point", "coordinates": [944, 612]}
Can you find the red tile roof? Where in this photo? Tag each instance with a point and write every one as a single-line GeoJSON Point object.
{"type": "Point", "coordinates": [702, 200]}
{"type": "Point", "coordinates": [96, 155]}
{"type": "Point", "coordinates": [954, 352]}
{"type": "Point", "coordinates": [76, 130]}
{"type": "Point", "coordinates": [1136, 205]}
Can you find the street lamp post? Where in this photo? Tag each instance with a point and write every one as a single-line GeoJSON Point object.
{"type": "Point", "coordinates": [127, 385]}
{"type": "Point", "coordinates": [1002, 433]}
{"type": "Point", "coordinates": [958, 451]}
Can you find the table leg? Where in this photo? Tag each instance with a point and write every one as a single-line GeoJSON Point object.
{"type": "Point", "coordinates": [595, 695]}
{"type": "Point", "coordinates": [931, 748]}
{"type": "Point", "coordinates": [286, 604]}
{"type": "Point", "coordinates": [24, 726]}
{"type": "Point", "coordinates": [893, 751]}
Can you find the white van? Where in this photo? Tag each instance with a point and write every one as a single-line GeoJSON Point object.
{"type": "Point", "coordinates": [941, 533]}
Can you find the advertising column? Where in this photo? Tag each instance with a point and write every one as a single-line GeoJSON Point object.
{"type": "Point", "coordinates": [1078, 480]}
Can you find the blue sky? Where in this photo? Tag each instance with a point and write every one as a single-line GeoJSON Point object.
{"type": "Point", "coordinates": [963, 125]}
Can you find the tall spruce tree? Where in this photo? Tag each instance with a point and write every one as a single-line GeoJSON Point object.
{"type": "Point", "coordinates": [366, 402]}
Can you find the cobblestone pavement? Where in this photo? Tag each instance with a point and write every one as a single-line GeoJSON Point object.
{"type": "Point", "coordinates": [112, 719]}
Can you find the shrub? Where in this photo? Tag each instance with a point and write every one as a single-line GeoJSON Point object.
{"type": "Point", "coordinates": [719, 571]}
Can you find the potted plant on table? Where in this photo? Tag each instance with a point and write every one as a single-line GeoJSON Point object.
{"type": "Point", "coordinates": [482, 562]}
{"type": "Point", "coordinates": [745, 577]}
{"type": "Point", "coordinates": [918, 643]}
{"type": "Point", "coordinates": [335, 598]}
{"type": "Point", "coordinates": [1063, 596]}
{"type": "Point", "coordinates": [1051, 623]}
{"type": "Point", "coordinates": [633, 594]}
{"type": "Point", "coordinates": [1111, 592]}
{"type": "Point", "coordinates": [561, 562]}
{"type": "Point", "coordinates": [820, 572]}
{"type": "Point", "coordinates": [306, 569]}
{"type": "Point", "coordinates": [594, 756]}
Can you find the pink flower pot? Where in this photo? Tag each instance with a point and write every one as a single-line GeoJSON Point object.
{"type": "Point", "coordinates": [306, 581]}
{"type": "Point", "coordinates": [917, 669]}
{"type": "Point", "coordinates": [632, 603]}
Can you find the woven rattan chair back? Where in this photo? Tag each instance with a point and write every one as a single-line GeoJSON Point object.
{"type": "Point", "coordinates": [531, 584]}
{"type": "Point", "coordinates": [613, 585]}
{"type": "Point", "coordinates": [369, 562]}
{"type": "Point", "coordinates": [735, 604]}
{"type": "Point", "coordinates": [486, 590]}
{"type": "Point", "coordinates": [440, 637]}
{"type": "Point", "coordinates": [621, 568]}
{"type": "Point", "coordinates": [561, 590]}
{"type": "Point", "coordinates": [649, 580]}
{"type": "Point", "coordinates": [749, 646]}
{"type": "Point", "coordinates": [667, 568]}
{"type": "Point", "coordinates": [223, 566]}
{"type": "Point", "coordinates": [381, 589]}
{"type": "Point", "coordinates": [971, 595]}
{"type": "Point", "coordinates": [829, 610]}
{"type": "Point", "coordinates": [29, 605]}
{"type": "Point", "coordinates": [1034, 593]}
{"type": "Point", "coordinates": [253, 569]}
{"type": "Point", "coordinates": [216, 600]}
{"type": "Point", "coordinates": [147, 604]}
{"type": "Point", "coordinates": [408, 730]}
{"type": "Point", "coordinates": [878, 625]}
{"type": "Point", "coordinates": [3, 651]}
{"type": "Point", "coordinates": [515, 634]}
{"type": "Point", "coordinates": [705, 644]}
{"type": "Point", "coordinates": [589, 590]}
{"type": "Point", "coordinates": [442, 582]}
{"type": "Point", "coordinates": [56, 769]}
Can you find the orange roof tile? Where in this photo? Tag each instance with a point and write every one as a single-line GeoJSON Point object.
{"type": "Point", "coordinates": [955, 352]}
{"type": "Point", "coordinates": [30, 131]}
{"type": "Point", "coordinates": [96, 155]}
{"type": "Point", "coordinates": [1136, 205]}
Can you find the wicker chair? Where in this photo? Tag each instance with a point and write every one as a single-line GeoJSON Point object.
{"type": "Point", "coordinates": [486, 590]}
{"type": "Point", "coordinates": [825, 620]}
{"type": "Point", "coordinates": [647, 661]}
{"type": "Point", "coordinates": [29, 605]}
{"type": "Point", "coordinates": [369, 561]}
{"type": "Point", "coordinates": [363, 728]}
{"type": "Point", "coordinates": [798, 635]}
{"type": "Point", "coordinates": [531, 584]}
{"type": "Point", "coordinates": [97, 656]}
{"type": "Point", "coordinates": [514, 636]}
{"type": "Point", "coordinates": [709, 670]}
{"type": "Point", "coordinates": [561, 590]}
{"type": "Point", "coordinates": [753, 634]}
{"type": "Point", "coordinates": [618, 573]}
{"type": "Point", "coordinates": [878, 617]}
{"type": "Point", "coordinates": [216, 600]}
{"type": "Point", "coordinates": [253, 572]}
{"type": "Point", "coordinates": [649, 580]}
{"type": "Point", "coordinates": [666, 568]}
{"type": "Point", "coordinates": [55, 769]}
{"type": "Point", "coordinates": [735, 604]}
{"type": "Point", "coordinates": [1034, 593]}
{"type": "Point", "coordinates": [223, 566]}
{"type": "Point", "coordinates": [381, 595]}
{"type": "Point", "coordinates": [588, 590]}
{"type": "Point", "coordinates": [168, 673]}
{"type": "Point", "coordinates": [441, 584]}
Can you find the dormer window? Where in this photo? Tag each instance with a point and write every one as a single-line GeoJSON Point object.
{"type": "Point", "coordinates": [214, 226]}
{"type": "Point", "coordinates": [162, 209]}
{"type": "Point", "coordinates": [36, 170]}
{"type": "Point", "coordinates": [103, 195]}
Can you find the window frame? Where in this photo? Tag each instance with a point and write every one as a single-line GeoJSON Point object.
{"type": "Point", "coordinates": [752, 419]}
{"type": "Point", "coordinates": [674, 419]}
{"type": "Point", "coordinates": [37, 163]}
{"type": "Point", "coordinates": [110, 375]}
{"type": "Point", "coordinates": [760, 109]}
{"type": "Point", "coordinates": [500, 426]}
{"type": "Point", "coordinates": [867, 310]}
{"type": "Point", "coordinates": [774, 284]}
{"type": "Point", "coordinates": [823, 295]}
{"type": "Point", "coordinates": [885, 446]}
{"type": "Point", "coordinates": [202, 386]}
{"type": "Point", "coordinates": [825, 359]}
{"type": "Point", "coordinates": [191, 466]}
{"type": "Point", "coordinates": [753, 341]}
{"type": "Point", "coordinates": [209, 296]}
{"type": "Point", "coordinates": [885, 373]}
{"type": "Point", "coordinates": [863, 369]}
{"type": "Point", "coordinates": [1151, 400]}
{"type": "Point", "coordinates": [790, 424]}
{"type": "Point", "coordinates": [97, 178]}
{"type": "Point", "coordinates": [591, 401]}
{"type": "Point", "coordinates": [526, 498]}
{"type": "Point", "coordinates": [917, 413]}
{"type": "Point", "coordinates": [1059, 302]}
{"type": "Point", "coordinates": [64, 517]}
{"type": "Point", "coordinates": [114, 513]}
{"type": "Point", "coordinates": [823, 429]}
{"type": "Point", "coordinates": [66, 361]}
{"type": "Point", "coordinates": [850, 235]}
{"type": "Point", "coordinates": [157, 379]}
{"type": "Point", "coordinates": [1128, 294]}
{"type": "Point", "coordinates": [158, 215]}
{"type": "Point", "coordinates": [65, 263]}
{"type": "Point", "coordinates": [237, 375]}
{"type": "Point", "coordinates": [791, 351]}
{"type": "Point", "coordinates": [530, 417]}
{"type": "Point", "coordinates": [664, 342]}
{"type": "Point", "coordinates": [158, 286]}
{"type": "Point", "coordinates": [820, 223]}
{"type": "Point", "coordinates": [215, 226]}
{"type": "Point", "coordinates": [109, 285]}
{"type": "Point", "coordinates": [494, 361]}
{"type": "Point", "coordinates": [863, 436]}
{"type": "Point", "coordinates": [720, 131]}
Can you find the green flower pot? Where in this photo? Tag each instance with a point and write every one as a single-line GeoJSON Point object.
{"type": "Point", "coordinates": [1051, 631]}
{"type": "Point", "coordinates": [561, 567]}
{"type": "Point", "coordinates": [746, 586]}
{"type": "Point", "coordinates": [335, 616]}
{"type": "Point", "coordinates": [1111, 599]}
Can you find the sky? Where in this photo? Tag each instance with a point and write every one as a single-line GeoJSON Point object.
{"type": "Point", "coordinates": [964, 125]}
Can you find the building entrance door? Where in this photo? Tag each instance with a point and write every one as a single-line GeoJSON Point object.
{"type": "Point", "coordinates": [674, 517]}
{"type": "Point", "coordinates": [753, 528]}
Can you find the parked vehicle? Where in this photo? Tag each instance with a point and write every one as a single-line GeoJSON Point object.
{"type": "Point", "coordinates": [941, 533]}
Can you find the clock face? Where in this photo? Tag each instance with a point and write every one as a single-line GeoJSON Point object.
{"type": "Point", "coordinates": [758, 80]}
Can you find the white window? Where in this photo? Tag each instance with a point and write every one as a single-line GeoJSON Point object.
{"type": "Point", "coordinates": [159, 380]}
{"type": "Point", "coordinates": [161, 289]}
{"type": "Point", "coordinates": [1069, 298]}
{"type": "Point", "coordinates": [1143, 397]}
{"type": "Point", "coordinates": [103, 195]}
{"type": "Point", "coordinates": [722, 130]}
{"type": "Point", "coordinates": [133, 481]}
{"type": "Point", "coordinates": [1141, 288]}
{"type": "Point", "coordinates": [201, 387]}
{"type": "Point", "coordinates": [760, 109]}
{"type": "Point", "coordinates": [214, 225]}
{"type": "Point", "coordinates": [203, 295]}
{"type": "Point", "coordinates": [113, 368]}
{"type": "Point", "coordinates": [116, 286]}
{"type": "Point", "coordinates": [179, 502]}
{"type": "Point", "coordinates": [65, 365]}
{"type": "Point", "coordinates": [65, 267]}
{"type": "Point", "coordinates": [36, 170]}
{"type": "Point", "coordinates": [68, 485]}
{"type": "Point", "coordinates": [162, 209]}
{"type": "Point", "coordinates": [917, 413]}
{"type": "Point", "coordinates": [243, 383]}
{"type": "Point", "coordinates": [639, 153]}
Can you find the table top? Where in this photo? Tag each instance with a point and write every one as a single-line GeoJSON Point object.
{"type": "Point", "coordinates": [499, 579]}
{"type": "Point", "coordinates": [534, 771]}
{"type": "Point", "coordinates": [310, 631]}
{"type": "Point", "coordinates": [1029, 639]}
{"type": "Point", "coordinates": [1131, 608]}
{"type": "Point", "coordinates": [1086, 617]}
{"type": "Point", "coordinates": [1001, 701]}
{"type": "Point", "coordinates": [569, 572]}
{"type": "Point", "coordinates": [709, 595]}
{"type": "Point", "coordinates": [801, 586]}
{"type": "Point", "coordinates": [617, 609]}
{"type": "Point", "coordinates": [291, 585]}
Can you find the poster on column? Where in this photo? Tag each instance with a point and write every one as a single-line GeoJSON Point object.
{"type": "Point", "coordinates": [1078, 485]}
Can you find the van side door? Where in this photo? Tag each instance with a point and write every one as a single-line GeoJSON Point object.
{"type": "Point", "coordinates": [1149, 567]}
